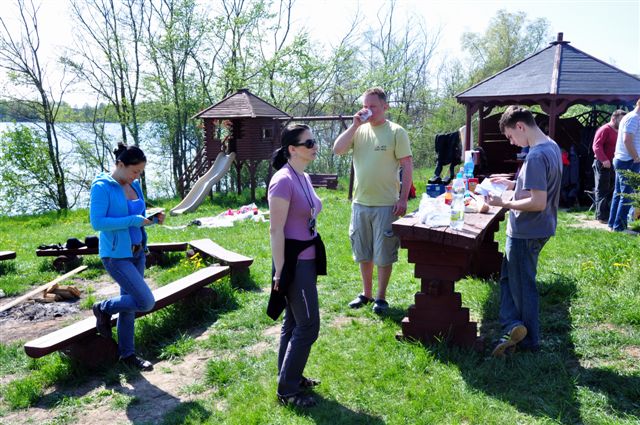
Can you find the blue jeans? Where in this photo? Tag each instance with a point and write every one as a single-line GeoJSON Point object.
{"type": "Point", "coordinates": [518, 293]}
{"type": "Point", "coordinates": [135, 296]}
{"type": "Point", "coordinates": [621, 204]}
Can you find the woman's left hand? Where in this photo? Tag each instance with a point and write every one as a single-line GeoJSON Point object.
{"type": "Point", "coordinates": [161, 216]}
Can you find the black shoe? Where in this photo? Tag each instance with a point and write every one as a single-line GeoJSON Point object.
{"type": "Point", "coordinates": [308, 383]}
{"type": "Point", "coordinates": [137, 362]}
{"type": "Point", "coordinates": [360, 301]}
{"type": "Point", "coordinates": [103, 321]}
{"type": "Point", "coordinates": [298, 400]}
{"type": "Point", "coordinates": [380, 306]}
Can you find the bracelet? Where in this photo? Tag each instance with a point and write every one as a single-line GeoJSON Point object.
{"type": "Point", "coordinates": [276, 278]}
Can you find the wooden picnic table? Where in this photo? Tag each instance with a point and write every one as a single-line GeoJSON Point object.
{"type": "Point", "coordinates": [442, 256]}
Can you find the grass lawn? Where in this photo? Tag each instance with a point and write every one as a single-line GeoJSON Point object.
{"type": "Point", "coordinates": [587, 371]}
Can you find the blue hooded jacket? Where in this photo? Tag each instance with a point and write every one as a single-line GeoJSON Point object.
{"type": "Point", "coordinates": [109, 214]}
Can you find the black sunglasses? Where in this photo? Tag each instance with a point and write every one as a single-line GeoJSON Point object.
{"type": "Point", "coordinates": [309, 143]}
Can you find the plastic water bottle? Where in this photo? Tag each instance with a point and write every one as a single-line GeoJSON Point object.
{"type": "Point", "coordinates": [457, 205]}
{"type": "Point", "coordinates": [468, 164]}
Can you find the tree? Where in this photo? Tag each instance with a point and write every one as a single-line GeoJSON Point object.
{"type": "Point", "coordinates": [175, 35]}
{"type": "Point", "coordinates": [107, 55]}
{"type": "Point", "coordinates": [509, 38]}
{"type": "Point", "coordinates": [20, 56]}
{"type": "Point", "coordinates": [28, 180]}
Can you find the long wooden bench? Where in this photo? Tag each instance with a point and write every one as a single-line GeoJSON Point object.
{"type": "Point", "coordinates": [153, 247]}
{"type": "Point", "coordinates": [7, 255]}
{"type": "Point", "coordinates": [80, 340]}
{"type": "Point", "coordinates": [330, 181]}
{"type": "Point", "coordinates": [232, 259]}
{"type": "Point", "coordinates": [66, 256]}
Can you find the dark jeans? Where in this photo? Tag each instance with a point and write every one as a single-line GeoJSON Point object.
{"type": "Point", "coordinates": [300, 328]}
{"type": "Point", "coordinates": [604, 179]}
{"type": "Point", "coordinates": [518, 291]}
{"type": "Point", "coordinates": [621, 204]}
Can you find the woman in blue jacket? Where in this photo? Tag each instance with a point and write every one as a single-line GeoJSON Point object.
{"type": "Point", "coordinates": [118, 212]}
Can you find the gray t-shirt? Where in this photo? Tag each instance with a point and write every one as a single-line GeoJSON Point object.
{"type": "Point", "coordinates": [542, 170]}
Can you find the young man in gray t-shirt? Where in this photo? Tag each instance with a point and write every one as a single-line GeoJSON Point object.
{"type": "Point", "coordinates": [533, 215]}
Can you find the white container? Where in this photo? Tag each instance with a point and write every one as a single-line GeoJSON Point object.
{"type": "Point", "coordinates": [365, 115]}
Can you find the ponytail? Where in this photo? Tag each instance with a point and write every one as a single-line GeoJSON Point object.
{"type": "Point", "coordinates": [280, 157]}
{"type": "Point", "coordinates": [288, 138]}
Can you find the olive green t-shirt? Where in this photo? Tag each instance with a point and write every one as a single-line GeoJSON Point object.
{"type": "Point", "coordinates": [376, 154]}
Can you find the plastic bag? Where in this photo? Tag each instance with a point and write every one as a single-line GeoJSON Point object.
{"type": "Point", "coordinates": [433, 212]}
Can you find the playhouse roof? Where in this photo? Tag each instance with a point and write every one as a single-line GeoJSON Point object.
{"type": "Point", "coordinates": [558, 71]}
{"type": "Point", "coordinates": [242, 104]}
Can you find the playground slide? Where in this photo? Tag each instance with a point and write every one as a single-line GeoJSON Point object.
{"type": "Point", "coordinates": [204, 184]}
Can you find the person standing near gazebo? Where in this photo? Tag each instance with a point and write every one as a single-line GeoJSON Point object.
{"type": "Point", "coordinates": [604, 146]}
{"type": "Point", "coordinates": [627, 157]}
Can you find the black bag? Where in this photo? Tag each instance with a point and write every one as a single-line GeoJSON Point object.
{"type": "Point", "coordinates": [91, 241]}
{"type": "Point", "coordinates": [74, 243]}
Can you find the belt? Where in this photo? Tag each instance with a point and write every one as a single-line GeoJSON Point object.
{"type": "Point", "coordinates": [135, 248]}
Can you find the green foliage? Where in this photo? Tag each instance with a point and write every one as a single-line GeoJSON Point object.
{"type": "Point", "coordinates": [509, 38]}
{"type": "Point", "coordinates": [27, 179]}
{"type": "Point", "coordinates": [183, 345]}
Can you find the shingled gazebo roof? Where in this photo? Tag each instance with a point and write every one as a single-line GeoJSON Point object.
{"type": "Point", "coordinates": [242, 104]}
{"type": "Point", "coordinates": [559, 71]}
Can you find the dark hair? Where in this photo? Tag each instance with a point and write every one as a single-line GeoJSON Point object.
{"type": "Point", "coordinates": [289, 137]}
{"type": "Point", "coordinates": [377, 91]}
{"type": "Point", "coordinates": [129, 155]}
{"type": "Point", "coordinates": [515, 114]}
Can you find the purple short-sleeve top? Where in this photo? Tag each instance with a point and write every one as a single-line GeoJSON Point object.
{"type": "Point", "coordinates": [296, 188]}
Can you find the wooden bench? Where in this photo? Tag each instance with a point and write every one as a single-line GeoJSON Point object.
{"type": "Point", "coordinates": [67, 256]}
{"type": "Point", "coordinates": [232, 259]}
{"type": "Point", "coordinates": [80, 340]}
{"type": "Point", "coordinates": [7, 255]}
{"type": "Point", "coordinates": [330, 181]}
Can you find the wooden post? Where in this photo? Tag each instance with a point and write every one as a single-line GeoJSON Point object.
{"type": "Point", "coordinates": [467, 133]}
{"type": "Point", "coordinates": [481, 114]}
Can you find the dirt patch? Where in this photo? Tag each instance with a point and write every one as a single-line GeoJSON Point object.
{"type": "Point", "coordinates": [29, 320]}
{"type": "Point", "coordinates": [632, 351]}
{"type": "Point", "coordinates": [343, 321]}
{"type": "Point", "coordinates": [586, 222]}
{"type": "Point", "coordinates": [272, 331]}
{"type": "Point", "coordinates": [148, 397]}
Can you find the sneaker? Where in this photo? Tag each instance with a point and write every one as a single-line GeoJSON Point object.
{"type": "Point", "coordinates": [360, 301]}
{"type": "Point", "coordinates": [298, 400]}
{"type": "Point", "coordinates": [137, 363]}
{"type": "Point", "coordinates": [380, 306]}
{"type": "Point", "coordinates": [514, 336]}
{"type": "Point", "coordinates": [103, 321]}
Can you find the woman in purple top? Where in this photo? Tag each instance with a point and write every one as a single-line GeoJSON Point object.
{"type": "Point", "coordinates": [294, 207]}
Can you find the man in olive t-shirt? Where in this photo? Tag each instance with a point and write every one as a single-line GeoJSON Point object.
{"type": "Point", "coordinates": [379, 148]}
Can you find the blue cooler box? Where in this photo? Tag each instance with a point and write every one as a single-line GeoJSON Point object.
{"type": "Point", "coordinates": [435, 190]}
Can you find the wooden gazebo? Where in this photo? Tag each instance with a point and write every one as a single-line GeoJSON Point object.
{"type": "Point", "coordinates": [554, 78]}
{"type": "Point", "coordinates": [253, 134]}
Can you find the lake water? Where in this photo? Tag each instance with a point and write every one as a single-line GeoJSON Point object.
{"type": "Point", "coordinates": [158, 169]}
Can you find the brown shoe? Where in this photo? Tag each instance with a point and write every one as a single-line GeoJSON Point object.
{"type": "Point", "coordinates": [515, 335]}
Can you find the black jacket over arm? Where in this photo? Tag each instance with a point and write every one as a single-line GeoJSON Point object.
{"type": "Point", "coordinates": [293, 248]}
